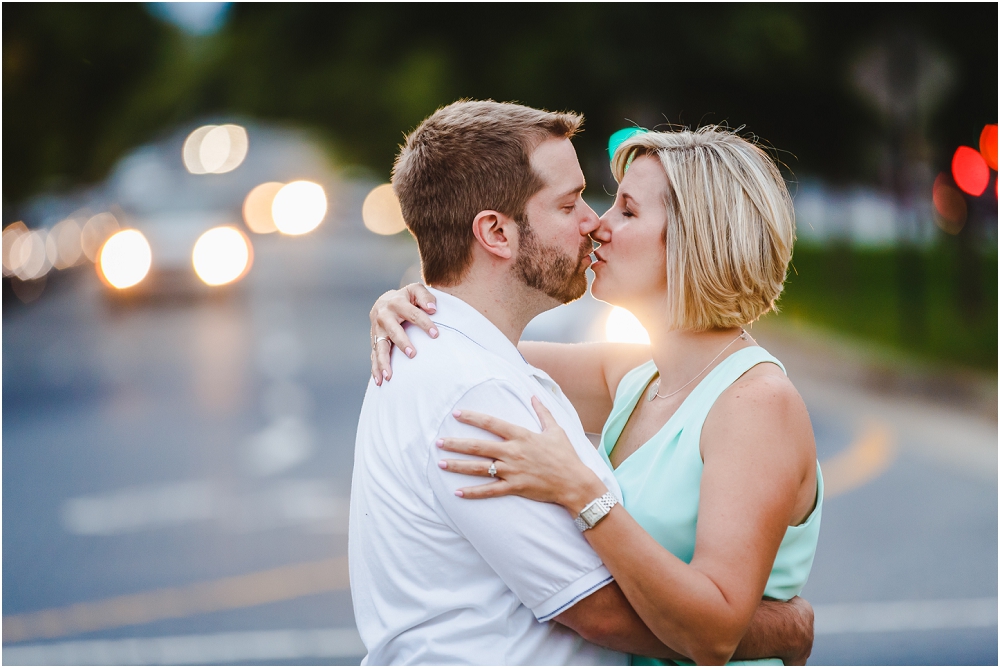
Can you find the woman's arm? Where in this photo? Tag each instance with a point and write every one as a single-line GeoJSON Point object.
{"type": "Point", "coordinates": [588, 373]}
{"type": "Point", "coordinates": [758, 452]}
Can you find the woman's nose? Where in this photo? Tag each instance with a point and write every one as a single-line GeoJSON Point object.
{"type": "Point", "coordinates": [602, 231]}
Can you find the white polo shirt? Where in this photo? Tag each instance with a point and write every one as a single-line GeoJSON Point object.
{"type": "Point", "coordinates": [437, 579]}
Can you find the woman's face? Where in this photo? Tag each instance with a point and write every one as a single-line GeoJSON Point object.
{"type": "Point", "coordinates": [631, 267]}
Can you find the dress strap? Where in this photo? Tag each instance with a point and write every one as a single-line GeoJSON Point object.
{"type": "Point", "coordinates": [725, 374]}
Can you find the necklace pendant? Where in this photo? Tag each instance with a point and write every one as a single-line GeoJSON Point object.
{"type": "Point", "coordinates": [652, 391]}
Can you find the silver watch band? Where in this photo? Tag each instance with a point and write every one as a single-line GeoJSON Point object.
{"type": "Point", "coordinates": [595, 511]}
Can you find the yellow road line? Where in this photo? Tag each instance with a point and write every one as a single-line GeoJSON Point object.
{"type": "Point", "coordinates": [866, 459]}
{"type": "Point", "coordinates": [862, 462]}
{"type": "Point", "coordinates": [241, 591]}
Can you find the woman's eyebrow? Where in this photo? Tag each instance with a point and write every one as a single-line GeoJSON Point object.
{"type": "Point", "coordinates": [629, 199]}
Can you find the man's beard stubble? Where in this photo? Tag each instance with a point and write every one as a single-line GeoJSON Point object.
{"type": "Point", "coordinates": [547, 270]}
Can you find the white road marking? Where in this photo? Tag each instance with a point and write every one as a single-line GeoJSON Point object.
{"type": "Point", "coordinates": [283, 444]}
{"type": "Point", "coordinates": [285, 645]}
{"type": "Point", "coordinates": [135, 508]}
{"type": "Point", "coordinates": [882, 617]}
{"type": "Point", "coordinates": [219, 648]}
{"type": "Point", "coordinates": [307, 503]}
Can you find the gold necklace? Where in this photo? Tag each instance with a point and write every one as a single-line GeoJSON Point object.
{"type": "Point", "coordinates": [654, 391]}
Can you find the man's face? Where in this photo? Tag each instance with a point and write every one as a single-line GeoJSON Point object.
{"type": "Point", "coordinates": [553, 243]}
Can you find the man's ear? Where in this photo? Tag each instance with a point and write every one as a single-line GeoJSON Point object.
{"type": "Point", "coordinates": [495, 233]}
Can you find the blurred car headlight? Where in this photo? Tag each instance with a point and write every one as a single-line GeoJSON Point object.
{"type": "Point", "coordinates": [299, 207]}
{"type": "Point", "coordinates": [222, 255]}
{"type": "Point", "coordinates": [125, 259]}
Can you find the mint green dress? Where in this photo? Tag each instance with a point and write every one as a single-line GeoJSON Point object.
{"type": "Point", "coordinates": [661, 481]}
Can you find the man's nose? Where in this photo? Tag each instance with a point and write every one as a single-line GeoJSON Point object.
{"type": "Point", "coordinates": [590, 221]}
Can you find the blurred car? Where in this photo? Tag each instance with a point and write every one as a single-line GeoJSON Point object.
{"type": "Point", "coordinates": [175, 252]}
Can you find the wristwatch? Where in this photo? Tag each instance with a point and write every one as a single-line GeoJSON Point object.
{"type": "Point", "coordinates": [595, 511]}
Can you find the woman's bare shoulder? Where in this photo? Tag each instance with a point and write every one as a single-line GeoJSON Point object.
{"type": "Point", "coordinates": [764, 386]}
{"type": "Point", "coordinates": [762, 406]}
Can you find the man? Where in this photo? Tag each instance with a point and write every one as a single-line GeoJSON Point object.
{"type": "Point", "coordinates": [493, 194]}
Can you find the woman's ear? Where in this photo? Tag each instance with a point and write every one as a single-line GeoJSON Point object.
{"type": "Point", "coordinates": [495, 233]}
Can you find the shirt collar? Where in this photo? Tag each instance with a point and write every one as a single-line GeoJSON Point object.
{"type": "Point", "coordinates": [460, 316]}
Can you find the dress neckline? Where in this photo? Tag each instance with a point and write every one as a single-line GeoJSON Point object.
{"type": "Point", "coordinates": [633, 402]}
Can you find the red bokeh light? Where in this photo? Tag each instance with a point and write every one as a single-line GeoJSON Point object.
{"type": "Point", "coordinates": [988, 145]}
{"type": "Point", "coordinates": [970, 171]}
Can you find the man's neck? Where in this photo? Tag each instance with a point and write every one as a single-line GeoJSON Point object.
{"type": "Point", "coordinates": [509, 307]}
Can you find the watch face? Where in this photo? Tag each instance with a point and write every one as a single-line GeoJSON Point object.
{"type": "Point", "coordinates": [592, 514]}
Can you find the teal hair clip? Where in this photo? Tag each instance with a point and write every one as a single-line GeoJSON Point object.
{"type": "Point", "coordinates": [619, 137]}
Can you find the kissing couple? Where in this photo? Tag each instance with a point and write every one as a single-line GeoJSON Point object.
{"type": "Point", "coordinates": [485, 527]}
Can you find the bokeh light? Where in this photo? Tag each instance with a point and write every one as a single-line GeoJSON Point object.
{"type": "Point", "coordinates": [125, 259]}
{"type": "Point", "coordinates": [63, 245]}
{"type": "Point", "coordinates": [221, 255]}
{"type": "Point", "coordinates": [257, 208]}
{"type": "Point", "coordinates": [10, 234]}
{"type": "Point", "coordinates": [299, 207]}
{"type": "Point", "coordinates": [96, 231]}
{"type": "Point", "coordinates": [623, 327]}
{"type": "Point", "coordinates": [970, 171]}
{"type": "Point", "coordinates": [191, 152]}
{"type": "Point", "coordinates": [381, 211]}
{"type": "Point", "coordinates": [950, 206]}
{"type": "Point", "coordinates": [28, 259]}
{"type": "Point", "coordinates": [215, 149]}
{"type": "Point", "coordinates": [988, 145]}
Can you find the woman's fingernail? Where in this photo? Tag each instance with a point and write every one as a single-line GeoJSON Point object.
{"type": "Point", "coordinates": [442, 464]}
{"type": "Point", "coordinates": [433, 332]}
{"type": "Point", "coordinates": [432, 307]}
{"type": "Point", "coordinates": [385, 375]}
{"type": "Point", "coordinates": [459, 492]}
{"type": "Point", "coordinates": [439, 442]}
{"type": "Point", "coordinates": [409, 352]}
{"type": "Point", "coordinates": [457, 413]}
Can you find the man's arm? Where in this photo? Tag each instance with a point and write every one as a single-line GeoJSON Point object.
{"type": "Point", "coordinates": [778, 629]}
{"type": "Point", "coordinates": [606, 618]}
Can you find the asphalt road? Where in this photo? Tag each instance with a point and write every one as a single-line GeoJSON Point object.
{"type": "Point", "coordinates": [176, 476]}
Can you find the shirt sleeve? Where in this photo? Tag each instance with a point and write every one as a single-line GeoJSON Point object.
{"type": "Point", "coordinates": [534, 547]}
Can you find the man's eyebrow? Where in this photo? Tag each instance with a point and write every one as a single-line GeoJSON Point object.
{"type": "Point", "coordinates": [575, 191]}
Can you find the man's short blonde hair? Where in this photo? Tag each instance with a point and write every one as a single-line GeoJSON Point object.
{"type": "Point", "coordinates": [730, 225]}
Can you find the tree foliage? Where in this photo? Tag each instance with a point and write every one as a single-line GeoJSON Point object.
{"type": "Point", "coordinates": [83, 83]}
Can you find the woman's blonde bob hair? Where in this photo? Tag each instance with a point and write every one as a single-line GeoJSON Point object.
{"type": "Point", "coordinates": [730, 225]}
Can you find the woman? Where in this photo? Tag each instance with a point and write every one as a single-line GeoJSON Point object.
{"type": "Point", "coordinates": [709, 440]}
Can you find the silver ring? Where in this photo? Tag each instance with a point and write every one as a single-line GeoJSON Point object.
{"type": "Point", "coordinates": [492, 470]}
{"type": "Point", "coordinates": [381, 338]}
